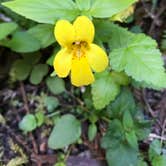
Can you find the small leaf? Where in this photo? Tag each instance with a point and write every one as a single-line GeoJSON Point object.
{"type": "Point", "coordinates": [43, 33]}
{"type": "Point", "coordinates": [40, 118]}
{"type": "Point", "coordinates": [127, 121]}
{"type": "Point", "coordinates": [21, 69]}
{"type": "Point", "coordinates": [104, 90]}
{"type": "Point", "coordinates": [51, 103]}
{"type": "Point", "coordinates": [122, 155]}
{"type": "Point", "coordinates": [66, 131]}
{"type": "Point", "coordinates": [28, 123]}
{"type": "Point", "coordinates": [92, 130]}
{"type": "Point", "coordinates": [155, 149]}
{"type": "Point", "coordinates": [142, 163]}
{"type": "Point", "coordinates": [124, 102]}
{"type": "Point", "coordinates": [6, 29]}
{"type": "Point", "coordinates": [23, 42]}
{"type": "Point", "coordinates": [55, 85]}
{"type": "Point", "coordinates": [115, 134]}
{"type": "Point", "coordinates": [32, 58]}
{"type": "Point", "coordinates": [132, 139]}
{"type": "Point", "coordinates": [38, 72]}
{"type": "Point", "coordinates": [159, 161]}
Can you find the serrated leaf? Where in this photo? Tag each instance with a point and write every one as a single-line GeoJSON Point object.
{"type": "Point", "coordinates": [107, 8]}
{"type": "Point", "coordinates": [28, 123]}
{"type": "Point", "coordinates": [66, 131]}
{"type": "Point", "coordinates": [43, 33]}
{"type": "Point", "coordinates": [38, 73]}
{"type": "Point", "coordinates": [92, 130]}
{"type": "Point", "coordinates": [141, 60]}
{"type": "Point", "coordinates": [55, 85]}
{"type": "Point", "coordinates": [23, 42]}
{"type": "Point", "coordinates": [6, 29]}
{"type": "Point", "coordinates": [128, 156]}
{"type": "Point", "coordinates": [47, 11]}
{"type": "Point", "coordinates": [51, 103]}
{"type": "Point", "coordinates": [21, 69]}
{"type": "Point", "coordinates": [104, 90]}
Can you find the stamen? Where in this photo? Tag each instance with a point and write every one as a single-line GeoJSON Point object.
{"type": "Point", "coordinates": [79, 48]}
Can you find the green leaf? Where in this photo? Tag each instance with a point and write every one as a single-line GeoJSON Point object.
{"type": "Point", "coordinates": [47, 11]}
{"type": "Point", "coordinates": [21, 69]}
{"type": "Point", "coordinates": [116, 36]}
{"type": "Point", "coordinates": [142, 163]}
{"type": "Point", "coordinates": [159, 161]}
{"type": "Point", "coordinates": [23, 42]}
{"type": "Point", "coordinates": [132, 139]}
{"type": "Point", "coordinates": [141, 60]}
{"type": "Point", "coordinates": [122, 155]}
{"type": "Point", "coordinates": [40, 118]}
{"type": "Point", "coordinates": [50, 60]}
{"type": "Point", "coordinates": [120, 78]}
{"type": "Point", "coordinates": [155, 149]}
{"type": "Point", "coordinates": [55, 85]}
{"type": "Point", "coordinates": [43, 33]}
{"type": "Point", "coordinates": [115, 134]}
{"type": "Point", "coordinates": [142, 128]}
{"type": "Point", "coordinates": [92, 131]}
{"type": "Point", "coordinates": [83, 5]}
{"type": "Point", "coordinates": [38, 73]}
{"type": "Point", "coordinates": [51, 103]}
{"type": "Point", "coordinates": [107, 8]}
{"type": "Point", "coordinates": [127, 121]}
{"type": "Point", "coordinates": [32, 58]}
{"type": "Point", "coordinates": [104, 90]}
{"type": "Point", "coordinates": [124, 102]}
{"type": "Point", "coordinates": [6, 29]}
{"type": "Point", "coordinates": [28, 123]}
{"type": "Point", "coordinates": [66, 131]}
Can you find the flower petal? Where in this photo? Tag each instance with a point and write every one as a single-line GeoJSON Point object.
{"type": "Point", "coordinates": [62, 63]}
{"type": "Point", "coordinates": [81, 73]}
{"type": "Point", "coordinates": [97, 58]}
{"type": "Point", "coordinates": [64, 33]}
{"type": "Point", "coordinates": [84, 29]}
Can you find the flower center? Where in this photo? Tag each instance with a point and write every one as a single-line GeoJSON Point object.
{"type": "Point", "coordinates": [79, 48]}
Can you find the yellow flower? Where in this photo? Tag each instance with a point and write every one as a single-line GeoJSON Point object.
{"type": "Point", "coordinates": [78, 54]}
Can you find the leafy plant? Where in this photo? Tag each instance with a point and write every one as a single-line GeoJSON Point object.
{"type": "Point", "coordinates": [89, 38]}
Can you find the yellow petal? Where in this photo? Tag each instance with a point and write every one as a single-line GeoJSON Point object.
{"type": "Point", "coordinates": [62, 63]}
{"type": "Point", "coordinates": [97, 58]}
{"type": "Point", "coordinates": [64, 33]}
{"type": "Point", "coordinates": [81, 73]}
{"type": "Point", "coordinates": [84, 29]}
